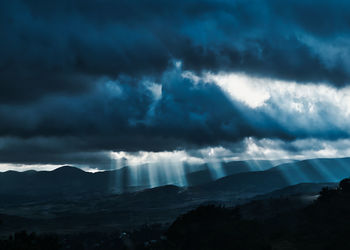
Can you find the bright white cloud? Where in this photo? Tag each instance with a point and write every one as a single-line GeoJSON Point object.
{"type": "Point", "coordinates": [309, 108]}
{"type": "Point", "coordinates": [242, 88]}
{"type": "Point", "coordinates": [270, 149]}
{"type": "Point", "coordinates": [144, 157]}
{"type": "Point", "coordinates": [290, 96]}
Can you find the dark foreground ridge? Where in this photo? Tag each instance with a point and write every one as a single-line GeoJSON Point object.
{"type": "Point", "coordinates": [268, 224]}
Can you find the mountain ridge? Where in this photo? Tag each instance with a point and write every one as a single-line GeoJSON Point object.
{"type": "Point", "coordinates": [69, 181]}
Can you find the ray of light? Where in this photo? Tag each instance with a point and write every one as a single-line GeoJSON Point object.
{"type": "Point", "coordinates": [216, 170]}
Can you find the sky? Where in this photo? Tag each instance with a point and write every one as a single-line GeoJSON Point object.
{"type": "Point", "coordinates": [94, 83]}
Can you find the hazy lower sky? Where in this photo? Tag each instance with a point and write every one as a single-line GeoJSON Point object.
{"type": "Point", "coordinates": [91, 83]}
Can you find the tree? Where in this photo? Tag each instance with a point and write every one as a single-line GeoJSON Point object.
{"type": "Point", "coordinates": [344, 185]}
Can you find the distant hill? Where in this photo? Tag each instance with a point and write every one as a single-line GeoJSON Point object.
{"type": "Point", "coordinates": [241, 180]}
{"type": "Point", "coordinates": [301, 190]}
{"type": "Point", "coordinates": [248, 184]}
{"type": "Point", "coordinates": [205, 174]}
{"type": "Point", "coordinates": [68, 181]}
{"type": "Point", "coordinates": [64, 181]}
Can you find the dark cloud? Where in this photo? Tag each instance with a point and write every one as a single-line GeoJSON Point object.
{"type": "Point", "coordinates": [61, 46]}
{"type": "Point", "coordinates": [60, 151]}
{"type": "Point", "coordinates": [128, 117]}
{"type": "Point", "coordinates": [131, 117]}
{"type": "Point", "coordinates": [76, 75]}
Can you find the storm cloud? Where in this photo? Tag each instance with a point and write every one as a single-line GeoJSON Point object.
{"type": "Point", "coordinates": [82, 78]}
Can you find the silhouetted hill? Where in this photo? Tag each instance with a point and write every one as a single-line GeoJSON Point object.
{"type": "Point", "coordinates": [266, 224]}
{"type": "Point", "coordinates": [62, 182]}
{"type": "Point", "coordinates": [251, 183]}
{"type": "Point", "coordinates": [315, 170]}
{"type": "Point", "coordinates": [301, 190]}
{"type": "Point", "coordinates": [68, 171]}
{"type": "Point", "coordinates": [68, 181]}
{"type": "Point", "coordinates": [206, 175]}
{"type": "Point", "coordinates": [240, 181]}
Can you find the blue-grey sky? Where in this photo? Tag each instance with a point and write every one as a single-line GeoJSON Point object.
{"type": "Point", "coordinates": [83, 80]}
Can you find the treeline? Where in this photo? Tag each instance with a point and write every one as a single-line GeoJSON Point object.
{"type": "Point", "coordinates": [325, 224]}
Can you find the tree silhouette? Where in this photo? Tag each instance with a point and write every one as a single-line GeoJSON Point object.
{"type": "Point", "coordinates": [344, 185]}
